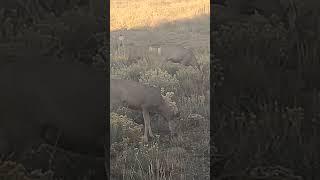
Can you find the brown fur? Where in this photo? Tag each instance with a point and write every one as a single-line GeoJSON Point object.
{"type": "Point", "coordinates": [137, 96]}
{"type": "Point", "coordinates": [175, 54]}
{"type": "Point", "coordinates": [135, 53]}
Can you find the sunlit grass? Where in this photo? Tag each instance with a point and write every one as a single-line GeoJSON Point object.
{"type": "Point", "coordinates": [126, 14]}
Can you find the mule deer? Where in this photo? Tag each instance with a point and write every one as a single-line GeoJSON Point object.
{"type": "Point", "coordinates": [136, 53]}
{"type": "Point", "coordinates": [137, 96]}
{"type": "Point", "coordinates": [68, 97]}
{"type": "Point", "coordinates": [175, 54]}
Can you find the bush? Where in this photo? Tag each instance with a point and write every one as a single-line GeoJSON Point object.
{"type": "Point", "coordinates": [160, 78]}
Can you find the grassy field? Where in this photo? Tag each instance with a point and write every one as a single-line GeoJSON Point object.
{"type": "Point", "coordinates": [177, 22]}
{"type": "Point", "coordinates": [127, 14]}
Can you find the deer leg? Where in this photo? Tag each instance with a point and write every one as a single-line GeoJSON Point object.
{"type": "Point", "coordinates": [149, 125]}
{"type": "Point", "coordinates": [145, 135]}
{"type": "Point", "coordinates": [146, 118]}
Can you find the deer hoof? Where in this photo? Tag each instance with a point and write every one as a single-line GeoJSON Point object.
{"type": "Point", "coordinates": [151, 135]}
{"type": "Point", "coordinates": [145, 139]}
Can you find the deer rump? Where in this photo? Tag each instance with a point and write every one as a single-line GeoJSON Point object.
{"type": "Point", "coordinates": [177, 54]}
{"type": "Point", "coordinates": [67, 99]}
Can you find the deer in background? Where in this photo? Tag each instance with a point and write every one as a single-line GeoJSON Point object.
{"type": "Point", "coordinates": [137, 96]}
{"type": "Point", "coordinates": [136, 53]}
{"type": "Point", "coordinates": [172, 53]}
{"type": "Point", "coordinates": [175, 54]}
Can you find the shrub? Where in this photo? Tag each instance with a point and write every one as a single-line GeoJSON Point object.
{"type": "Point", "coordinates": [160, 78]}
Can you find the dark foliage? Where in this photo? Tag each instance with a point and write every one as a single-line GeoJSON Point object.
{"type": "Point", "coordinates": [267, 106]}
{"type": "Point", "coordinates": [60, 31]}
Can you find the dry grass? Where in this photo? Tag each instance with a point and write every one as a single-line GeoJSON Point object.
{"type": "Point", "coordinates": [126, 14]}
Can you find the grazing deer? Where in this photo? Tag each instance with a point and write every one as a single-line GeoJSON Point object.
{"type": "Point", "coordinates": [137, 96]}
{"type": "Point", "coordinates": [135, 53]}
{"type": "Point", "coordinates": [69, 98]}
{"type": "Point", "coordinates": [175, 54]}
